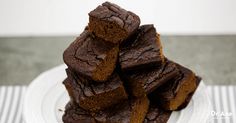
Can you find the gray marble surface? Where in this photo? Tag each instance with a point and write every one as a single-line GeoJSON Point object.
{"type": "Point", "coordinates": [212, 57]}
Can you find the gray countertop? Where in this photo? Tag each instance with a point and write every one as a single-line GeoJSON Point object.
{"type": "Point", "coordinates": [212, 57]}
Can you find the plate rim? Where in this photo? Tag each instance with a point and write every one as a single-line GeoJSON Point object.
{"type": "Point", "coordinates": [25, 111]}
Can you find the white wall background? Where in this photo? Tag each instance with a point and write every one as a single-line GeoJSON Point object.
{"type": "Point", "coordinates": [68, 17]}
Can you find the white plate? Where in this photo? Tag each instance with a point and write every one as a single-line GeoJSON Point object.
{"type": "Point", "coordinates": [46, 97]}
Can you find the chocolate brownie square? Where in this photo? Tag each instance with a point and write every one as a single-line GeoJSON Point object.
{"type": "Point", "coordinates": [145, 81]}
{"type": "Point", "coordinates": [129, 111]}
{"type": "Point", "coordinates": [95, 96]}
{"type": "Point", "coordinates": [157, 115]}
{"type": "Point", "coordinates": [174, 93]}
{"type": "Point", "coordinates": [91, 57]}
{"type": "Point", "coordinates": [112, 23]}
{"type": "Point", "coordinates": [76, 114]}
{"type": "Point", "coordinates": [142, 50]}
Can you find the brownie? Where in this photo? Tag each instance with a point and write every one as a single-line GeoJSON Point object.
{"type": "Point", "coordinates": [76, 114]}
{"type": "Point", "coordinates": [145, 81]}
{"type": "Point", "coordinates": [142, 50]}
{"type": "Point", "coordinates": [95, 96]}
{"type": "Point", "coordinates": [112, 23]}
{"type": "Point", "coordinates": [129, 111]}
{"type": "Point", "coordinates": [175, 92]}
{"type": "Point", "coordinates": [157, 115]}
{"type": "Point", "coordinates": [91, 57]}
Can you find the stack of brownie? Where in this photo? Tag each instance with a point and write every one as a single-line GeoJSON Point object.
{"type": "Point", "coordinates": [117, 72]}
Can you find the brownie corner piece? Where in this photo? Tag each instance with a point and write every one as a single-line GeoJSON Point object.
{"type": "Point", "coordinates": [173, 94]}
{"type": "Point", "coordinates": [112, 23]}
{"type": "Point", "coordinates": [95, 96]}
{"type": "Point", "coordinates": [91, 57]}
{"type": "Point", "coordinates": [142, 50]}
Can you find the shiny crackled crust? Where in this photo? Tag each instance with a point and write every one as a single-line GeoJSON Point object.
{"type": "Point", "coordinates": [88, 55]}
{"type": "Point", "coordinates": [143, 50]}
{"type": "Point", "coordinates": [94, 96]}
{"type": "Point", "coordinates": [112, 23]}
{"type": "Point", "coordinates": [146, 81]}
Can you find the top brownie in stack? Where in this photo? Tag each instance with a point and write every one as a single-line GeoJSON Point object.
{"type": "Point", "coordinates": [112, 23]}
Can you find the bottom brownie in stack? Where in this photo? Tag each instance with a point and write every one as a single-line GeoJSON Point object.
{"type": "Point", "coordinates": [129, 111]}
{"type": "Point", "coordinates": [156, 115]}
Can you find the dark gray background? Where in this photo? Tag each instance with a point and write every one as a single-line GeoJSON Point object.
{"type": "Point", "coordinates": [212, 57]}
